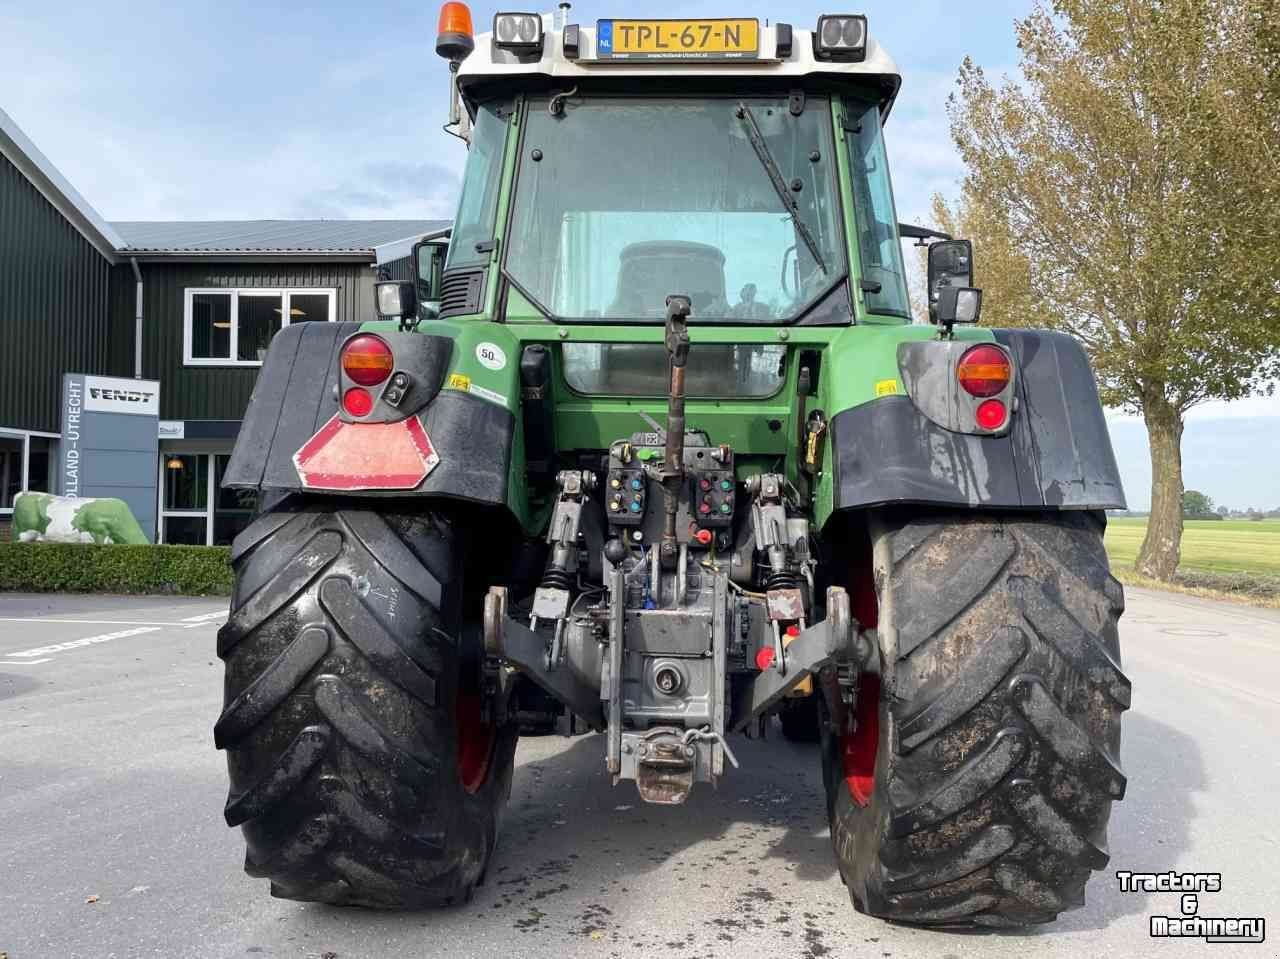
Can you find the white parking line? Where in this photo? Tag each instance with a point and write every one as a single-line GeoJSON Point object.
{"type": "Point", "coordinates": [86, 622]}
{"type": "Point", "coordinates": [87, 641]}
{"type": "Point", "coordinates": [205, 617]}
{"type": "Point", "coordinates": [190, 623]}
{"type": "Point", "coordinates": [29, 662]}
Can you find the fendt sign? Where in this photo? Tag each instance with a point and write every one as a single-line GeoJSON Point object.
{"type": "Point", "coordinates": [110, 441]}
{"type": "Point", "coordinates": [138, 397]}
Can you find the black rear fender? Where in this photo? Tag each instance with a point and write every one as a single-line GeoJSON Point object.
{"type": "Point", "coordinates": [1056, 453]}
{"type": "Point", "coordinates": [296, 396]}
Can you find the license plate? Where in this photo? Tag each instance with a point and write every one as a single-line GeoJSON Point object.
{"type": "Point", "coordinates": [678, 39]}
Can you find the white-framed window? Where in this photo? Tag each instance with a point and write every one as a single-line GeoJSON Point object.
{"type": "Point", "coordinates": [233, 327]}
{"type": "Point", "coordinates": [185, 516]}
{"type": "Point", "coordinates": [28, 463]}
{"type": "Point", "coordinates": [194, 508]}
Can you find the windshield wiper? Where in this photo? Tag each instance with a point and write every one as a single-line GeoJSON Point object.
{"type": "Point", "coordinates": [779, 184]}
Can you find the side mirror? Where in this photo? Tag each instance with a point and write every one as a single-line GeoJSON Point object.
{"type": "Point", "coordinates": [958, 304]}
{"type": "Point", "coordinates": [950, 265]}
{"type": "Point", "coordinates": [428, 266]}
{"type": "Point", "coordinates": [394, 300]}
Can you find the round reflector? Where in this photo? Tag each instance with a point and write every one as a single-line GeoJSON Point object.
{"type": "Point", "coordinates": [367, 359]}
{"type": "Point", "coordinates": [357, 402]}
{"type": "Point", "coordinates": [764, 658]}
{"type": "Point", "coordinates": [991, 414]}
{"type": "Point", "coordinates": [984, 371]}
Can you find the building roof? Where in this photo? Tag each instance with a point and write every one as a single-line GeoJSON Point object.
{"type": "Point", "coordinates": [35, 166]}
{"type": "Point", "coordinates": [266, 237]}
{"type": "Point", "coordinates": [403, 247]}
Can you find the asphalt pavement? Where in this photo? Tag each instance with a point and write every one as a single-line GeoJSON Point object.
{"type": "Point", "coordinates": [112, 842]}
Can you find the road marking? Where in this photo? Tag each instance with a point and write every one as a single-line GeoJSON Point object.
{"type": "Point", "coordinates": [184, 624]}
{"type": "Point", "coordinates": [87, 641]}
{"type": "Point", "coordinates": [29, 662]}
{"type": "Point", "coordinates": [204, 617]}
{"type": "Point", "coordinates": [90, 622]}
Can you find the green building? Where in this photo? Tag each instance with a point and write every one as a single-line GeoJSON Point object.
{"type": "Point", "coordinates": [191, 305]}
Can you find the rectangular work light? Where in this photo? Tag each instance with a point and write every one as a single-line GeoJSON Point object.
{"type": "Point", "coordinates": [841, 37]}
{"type": "Point", "coordinates": [521, 32]}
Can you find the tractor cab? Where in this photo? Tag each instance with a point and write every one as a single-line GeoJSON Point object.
{"type": "Point", "coordinates": [722, 159]}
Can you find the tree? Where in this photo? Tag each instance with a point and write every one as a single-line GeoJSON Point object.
{"type": "Point", "coordinates": [1196, 505]}
{"type": "Point", "coordinates": [1126, 190]}
{"type": "Point", "coordinates": [1223, 512]}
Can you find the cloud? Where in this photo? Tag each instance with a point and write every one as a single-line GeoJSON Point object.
{"type": "Point", "coordinates": [389, 189]}
{"type": "Point", "coordinates": [1248, 408]}
{"type": "Point", "coordinates": [240, 111]}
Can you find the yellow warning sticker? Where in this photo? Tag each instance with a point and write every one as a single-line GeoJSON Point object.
{"type": "Point", "coordinates": [887, 388]}
{"type": "Point", "coordinates": [457, 381]}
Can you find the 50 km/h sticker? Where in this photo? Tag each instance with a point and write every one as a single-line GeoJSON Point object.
{"type": "Point", "coordinates": [491, 356]}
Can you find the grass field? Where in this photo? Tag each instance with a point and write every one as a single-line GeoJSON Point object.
{"type": "Point", "coordinates": [1225, 547]}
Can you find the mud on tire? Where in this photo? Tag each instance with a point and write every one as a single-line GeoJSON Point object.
{"type": "Point", "coordinates": [987, 768]}
{"type": "Point", "coordinates": [360, 771]}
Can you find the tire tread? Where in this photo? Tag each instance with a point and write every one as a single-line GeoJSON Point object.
{"type": "Point", "coordinates": [1005, 695]}
{"type": "Point", "coordinates": [338, 725]}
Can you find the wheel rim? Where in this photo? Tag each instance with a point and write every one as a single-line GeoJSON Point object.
{"type": "Point", "coordinates": [859, 748]}
{"type": "Point", "coordinates": [475, 741]}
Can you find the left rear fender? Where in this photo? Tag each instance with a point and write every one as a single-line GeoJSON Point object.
{"type": "Point", "coordinates": [296, 395]}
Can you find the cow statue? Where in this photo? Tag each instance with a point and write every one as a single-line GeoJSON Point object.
{"type": "Point", "coordinates": [43, 517]}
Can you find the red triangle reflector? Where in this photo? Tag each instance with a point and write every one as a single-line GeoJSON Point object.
{"type": "Point", "coordinates": [366, 456]}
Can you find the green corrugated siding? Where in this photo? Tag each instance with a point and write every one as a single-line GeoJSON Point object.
{"type": "Point", "coordinates": [205, 392]}
{"type": "Point", "coordinates": [53, 305]}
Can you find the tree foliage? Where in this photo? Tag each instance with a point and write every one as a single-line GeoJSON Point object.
{"type": "Point", "coordinates": [1197, 505]}
{"type": "Point", "coordinates": [1125, 190]}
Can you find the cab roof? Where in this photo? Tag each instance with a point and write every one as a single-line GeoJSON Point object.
{"type": "Point", "coordinates": [487, 63]}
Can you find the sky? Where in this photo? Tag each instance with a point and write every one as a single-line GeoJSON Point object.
{"type": "Point", "coordinates": [256, 110]}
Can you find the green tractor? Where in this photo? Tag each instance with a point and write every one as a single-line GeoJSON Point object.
{"type": "Point", "coordinates": [653, 447]}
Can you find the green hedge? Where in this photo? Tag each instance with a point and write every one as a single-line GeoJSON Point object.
{"type": "Point", "coordinates": [86, 568]}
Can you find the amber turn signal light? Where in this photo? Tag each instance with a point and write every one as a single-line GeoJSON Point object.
{"type": "Point", "coordinates": [984, 371]}
{"type": "Point", "coordinates": [367, 360]}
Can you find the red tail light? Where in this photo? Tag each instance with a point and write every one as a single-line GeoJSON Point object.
{"type": "Point", "coordinates": [367, 360]}
{"type": "Point", "coordinates": [984, 371]}
{"type": "Point", "coordinates": [991, 414]}
{"type": "Point", "coordinates": [357, 402]}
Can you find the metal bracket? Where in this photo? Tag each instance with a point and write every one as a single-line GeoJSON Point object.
{"type": "Point", "coordinates": [617, 599]}
{"type": "Point", "coordinates": [720, 653]}
{"type": "Point", "coordinates": [524, 649]}
{"type": "Point", "coordinates": [834, 640]}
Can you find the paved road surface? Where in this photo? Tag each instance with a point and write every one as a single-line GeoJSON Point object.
{"type": "Point", "coordinates": [111, 791]}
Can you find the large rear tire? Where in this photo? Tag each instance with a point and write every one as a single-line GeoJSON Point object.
{"type": "Point", "coordinates": [977, 785]}
{"type": "Point", "coordinates": [363, 769]}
